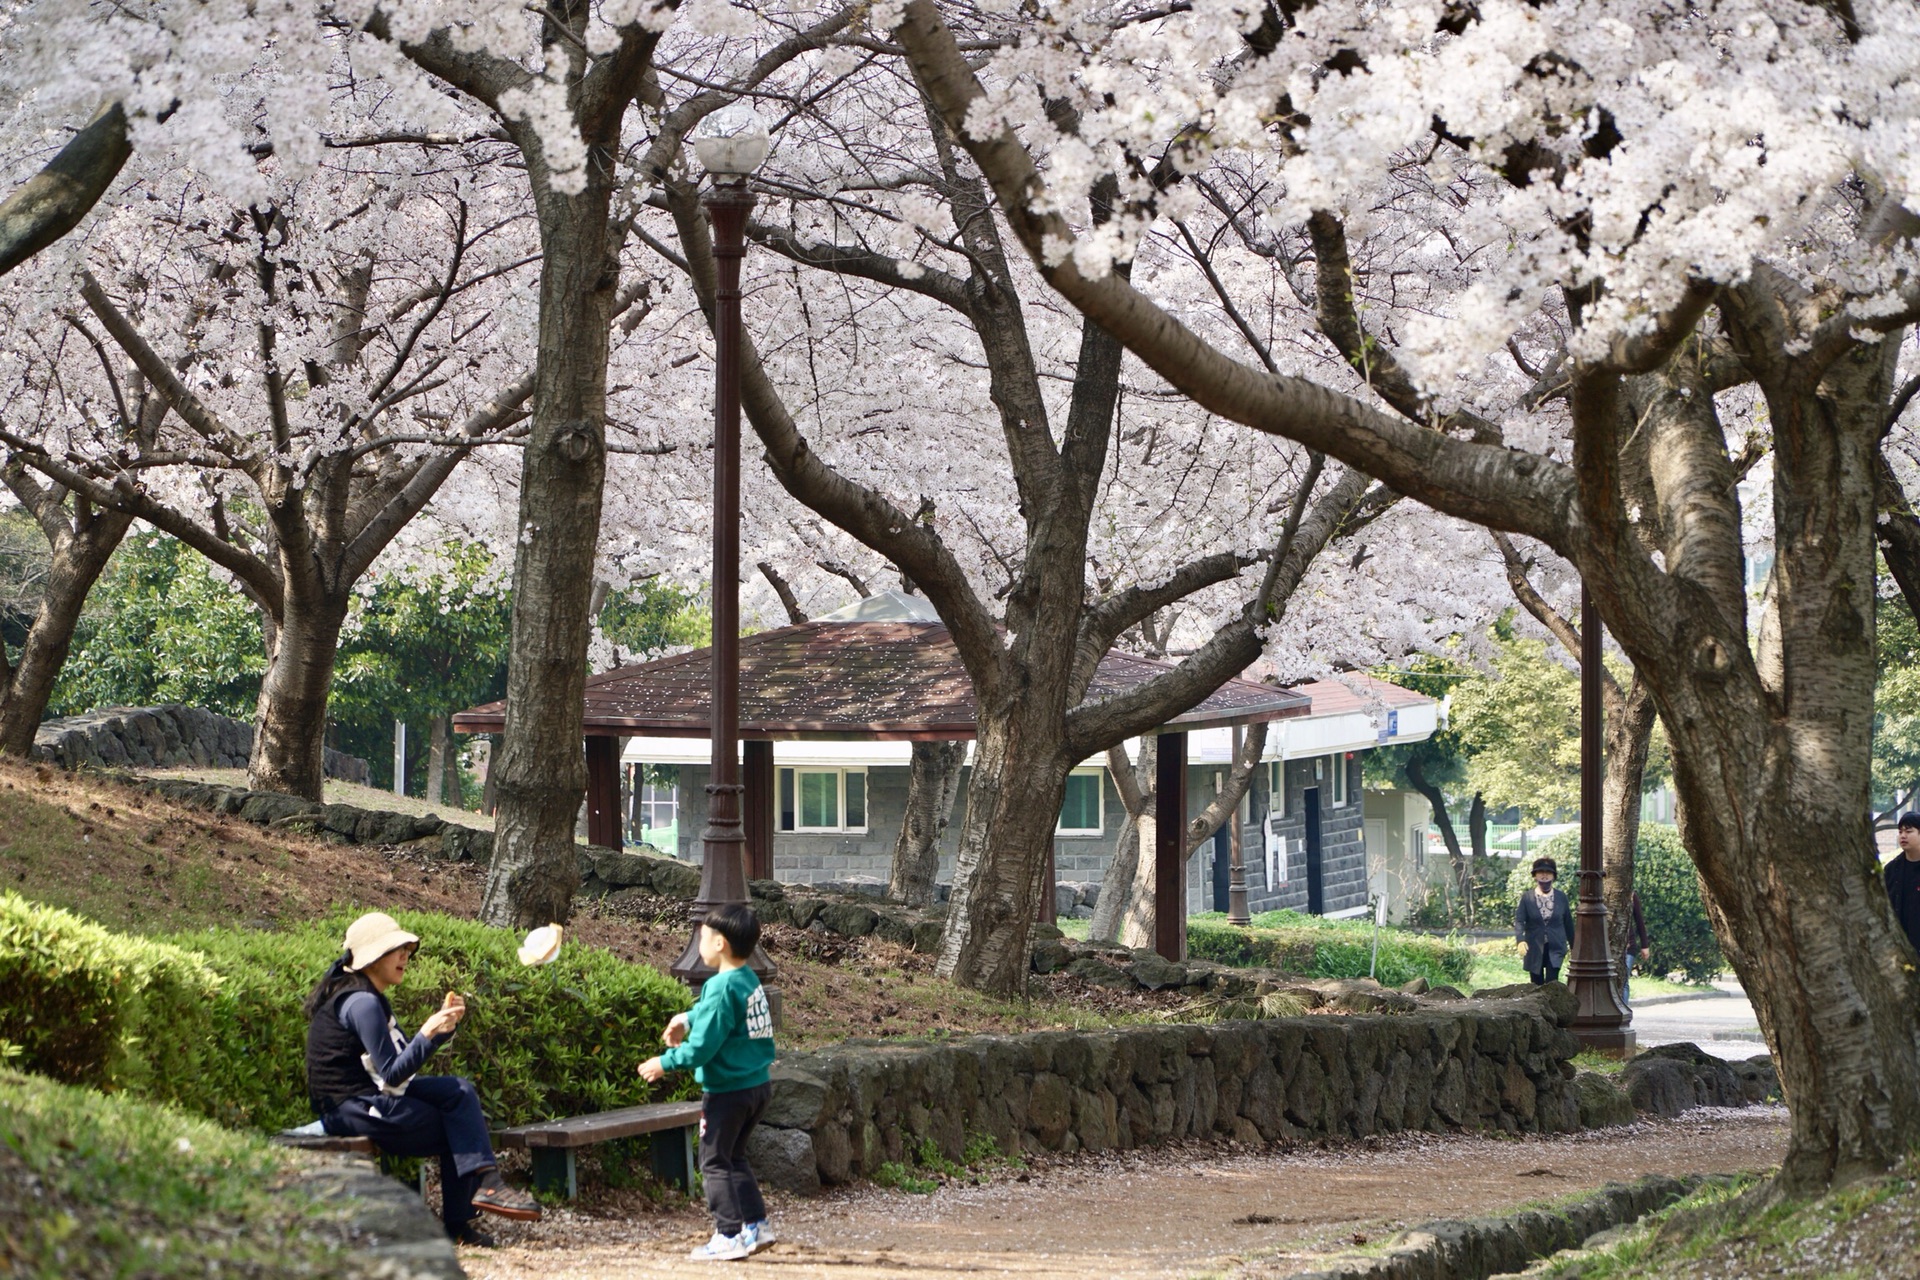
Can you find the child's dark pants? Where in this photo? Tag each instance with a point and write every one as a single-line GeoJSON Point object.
{"type": "Point", "coordinates": [437, 1116]}
{"type": "Point", "coordinates": [732, 1194]}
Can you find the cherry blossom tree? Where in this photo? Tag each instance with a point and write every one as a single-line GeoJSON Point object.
{"type": "Point", "coordinates": [1704, 203]}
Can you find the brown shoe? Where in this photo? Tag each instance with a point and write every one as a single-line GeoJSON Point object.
{"type": "Point", "coordinates": [495, 1196]}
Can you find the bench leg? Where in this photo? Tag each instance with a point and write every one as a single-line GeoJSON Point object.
{"type": "Point", "coordinates": [672, 1156]}
{"type": "Point", "coordinates": [553, 1171]}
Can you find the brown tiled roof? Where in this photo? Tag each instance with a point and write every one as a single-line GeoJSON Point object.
{"type": "Point", "coordinates": [1355, 692]}
{"type": "Point", "coordinates": [850, 681]}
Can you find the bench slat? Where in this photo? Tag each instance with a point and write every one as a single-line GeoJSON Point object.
{"type": "Point", "coordinates": [605, 1126]}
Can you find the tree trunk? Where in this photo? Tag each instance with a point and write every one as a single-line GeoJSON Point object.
{"type": "Point", "coordinates": [1417, 779]}
{"type": "Point", "coordinates": [998, 876]}
{"type": "Point", "coordinates": [1629, 733]}
{"type": "Point", "coordinates": [440, 759]}
{"type": "Point", "coordinates": [931, 784]}
{"type": "Point", "coordinates": [78, 561]}
{"type": "Point", "coordinates": [290, 719]}
{"type": "Point", "coordinates": [1119, 887]}
{"type": "Point", "coordinates": [1477, 825]}
{"type": "Point", "coordinates": [542, 771]}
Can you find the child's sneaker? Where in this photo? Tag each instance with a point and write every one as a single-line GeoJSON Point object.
{"type": "Point", "coordinates": [758, 1235]}
{"type": "Point", "coordinates": [722, 1248]}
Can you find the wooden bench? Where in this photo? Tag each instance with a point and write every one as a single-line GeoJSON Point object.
{"type": "Point", "coordinates": [552, 1143]}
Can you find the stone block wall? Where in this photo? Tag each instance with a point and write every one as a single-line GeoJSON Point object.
{"type": "Point", "coordinates": [1503, 1064]}
{"type": "Point", "coordinates": [161, 737]}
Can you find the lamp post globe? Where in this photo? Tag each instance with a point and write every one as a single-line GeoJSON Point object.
{"type": "Point", "coordinates": [730, 144]}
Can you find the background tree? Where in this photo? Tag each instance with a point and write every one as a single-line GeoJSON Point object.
{"type": "Point", "coordinates": [1778, 716]}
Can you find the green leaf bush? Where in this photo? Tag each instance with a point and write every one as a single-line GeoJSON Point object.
{"type": "Point", "coordinates": [1679, 934]}
{"type": "Point", "coordinates": [1319, 948]}
{"type": "Point", "coordinates": [88, 1006]}
{"type": "Point", "coordinates": [556, 1040]}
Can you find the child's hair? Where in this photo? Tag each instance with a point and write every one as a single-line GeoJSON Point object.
{"type": "Point", "coordinates": [738, 925]}
{"type": "Point", "coordinates": [338, 976]}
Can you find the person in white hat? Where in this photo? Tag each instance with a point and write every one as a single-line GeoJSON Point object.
{"type": "Point", "coordinates": [363, 1077]}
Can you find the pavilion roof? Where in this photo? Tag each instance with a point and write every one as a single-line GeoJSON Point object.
{"type": "Point", "coordinates": [893, 679]}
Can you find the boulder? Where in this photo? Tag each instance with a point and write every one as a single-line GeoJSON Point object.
{"type": "Point", "coordinates": [1155, 972]}
{"type": "Point", "coordinates": [1602, 1102]}
{"type": "Point", "coordinates": [926, 937]}
{"type": "Point", "coordinates": [849, 919]}
{"type": "Point", "coordinates": [671, 878]}
{"type": "Point", "coordinates": [1050, 955]}
{"type": "Point", "coordinates": [1416, 987]}
{"type": "Point", "coordinates": [1064, 900]}
{"type": "Point", "coordinates": [1555, 999]}
{"type": "Point", "coordinates": [466, 844]}
{"type": "Point", "coordinates": [1098, 972]}
{"type": "Point", "coordinates": [799, 1098]}
{"type": "Point", "coordinates": [269, 807]}
{"type": "Point", "coordinates": [783, 1159]}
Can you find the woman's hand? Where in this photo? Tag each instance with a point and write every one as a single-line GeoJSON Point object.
{"type": "Point", "coordinates": [676, 1029]}
{"type": "Point", "coordinates": [652, 1072]}
{"type": "Point", "coordinates": [446, 1018]}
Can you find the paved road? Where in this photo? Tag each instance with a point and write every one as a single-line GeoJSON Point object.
{"type": "Point", "coordinates": [1723, 1025]}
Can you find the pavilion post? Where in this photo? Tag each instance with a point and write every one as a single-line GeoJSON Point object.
{"type": "Point", "coordinates": [756, 769]}
{"type": "Point", "coordinates": [1236, 855]}
{"type": "Point", "coordinates": [1601, 1023]}
{"type": "Point", "coordinates": [603, 792]}
{"type": "Point", "coordinates": [1170, 847]}
{"type": "Point", "coordinates": [723, 873]}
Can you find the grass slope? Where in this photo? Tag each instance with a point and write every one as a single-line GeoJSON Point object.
{"type": "Point", "coordinates": [92, 1185]}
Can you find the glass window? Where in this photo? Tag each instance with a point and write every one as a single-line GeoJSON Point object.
{"type": "Point", "coordinates": [786, 800]}
{"type": "Point", "coordinates": [1080, 810]}
{"type": "Point", "coordinates": [1277, 789]}
{"type": "Point", "coordinates": [819, 800]}
{"type": "Point", "coordinates": [1337, 766]}
{"type": "Point", "coordinates": [856, 784]}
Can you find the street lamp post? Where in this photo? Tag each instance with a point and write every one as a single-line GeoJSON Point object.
{"type": "Point", "coordinates": [1601, 1022]}
{"type": "Point", "coordinates": [730, 144]}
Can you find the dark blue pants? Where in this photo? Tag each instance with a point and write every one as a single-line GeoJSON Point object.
{"type": "Point", "coordinates": [437, 1116]}
{"type": "Point", "coordinates": [726, 1121]}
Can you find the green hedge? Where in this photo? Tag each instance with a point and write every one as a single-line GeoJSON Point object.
{"type": "Point", "coordinates": [1320, 948]}
{"type": "Point", "coordinates": [89, 1006]}
{"type": "Point", "coordinates": [1679, 935]}
{"type": "Point", "coordinates": [560, 1039]}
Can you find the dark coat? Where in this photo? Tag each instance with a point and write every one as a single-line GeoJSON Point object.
{"type": "Point", "coordinates": [1547, 939]}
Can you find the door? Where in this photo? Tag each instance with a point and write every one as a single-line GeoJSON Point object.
{"type": "Point", "coordinates": [1316, 890]}
{"type": "Point", "coordinates": [1222, 864]}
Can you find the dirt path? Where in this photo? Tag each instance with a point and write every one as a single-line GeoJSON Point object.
{"type": "Point", "coordinates": [1175, 1213]}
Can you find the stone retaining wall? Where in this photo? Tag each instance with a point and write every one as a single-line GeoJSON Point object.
{"type": "Point", "coordinates": [1502, 1064]}
{"type": "Point", "coordinates": [161, 737]}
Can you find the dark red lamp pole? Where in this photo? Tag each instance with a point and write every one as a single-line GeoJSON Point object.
{"type": "Point", "coordinates": [730, 144]}
{"type": "Point", "coordinates": [1601, 1023]}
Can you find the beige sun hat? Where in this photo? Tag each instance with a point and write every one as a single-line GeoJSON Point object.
{"type": "Point", "coordinates": [374, 935]}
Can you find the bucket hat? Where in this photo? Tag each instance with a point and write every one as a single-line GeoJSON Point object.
{"type": "Point", "coordinates": [374, 935]}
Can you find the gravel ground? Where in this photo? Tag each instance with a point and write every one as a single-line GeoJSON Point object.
{"type": "Point", "coordinates": [1173, 1212]}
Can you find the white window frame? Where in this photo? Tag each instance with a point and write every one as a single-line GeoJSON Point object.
{"type": "Point", "coordinates": [1337, 765]}
{"type": "Point", "coordinates": [840, 800]}
{"type": "Point", "coordinates": [1100, 789]}
{"type": "Point", "coordinates": [1276, 788]}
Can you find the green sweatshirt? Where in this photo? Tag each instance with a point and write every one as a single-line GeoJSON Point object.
{"type": "Point", "coordinates": [729, 1040]}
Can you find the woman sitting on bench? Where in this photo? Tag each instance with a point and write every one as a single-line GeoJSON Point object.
{"type": "Point", "coordinates": [362, 1077]}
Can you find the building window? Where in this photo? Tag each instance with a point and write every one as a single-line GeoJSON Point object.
{"type": "Point", "coordinates": [823, 799]}
{"type": "Point", "coordinates": [1083, 810]}
{"type": "Point", "coordinates": [1277, 789]}
{"type": "Point", "coordinates": [1338, 766]}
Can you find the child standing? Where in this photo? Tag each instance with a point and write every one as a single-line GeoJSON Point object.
{"type": "Point", "coordinates": [727, 1039]}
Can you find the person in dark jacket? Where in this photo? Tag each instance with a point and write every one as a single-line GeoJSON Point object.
{"type": "Point", "coordinates": [363, 1078]}
{"type": "Point", "coordinates": [1543, 923]}
{"type": "Point", "coordinates": [1903, 879]}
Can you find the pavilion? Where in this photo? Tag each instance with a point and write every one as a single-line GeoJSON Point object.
{"type": "Point", "coordinates": [884, 669]}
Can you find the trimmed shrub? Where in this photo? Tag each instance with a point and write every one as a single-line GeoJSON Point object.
{"type": "Point", "coordinates": [556, 1040]}
{"type": "Point", "coordinates": [1315, 947]}
{"type": "Point", "coordinates": [1679, 934]}
{"type": "Point", "coordinates": [89, 1006]}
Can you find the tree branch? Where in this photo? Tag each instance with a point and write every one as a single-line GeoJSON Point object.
{"type": "Point", "coordinates": [52, 202]}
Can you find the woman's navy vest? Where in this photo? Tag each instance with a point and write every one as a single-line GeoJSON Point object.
{"type": "Point", "coordinates": [334, 1070]}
